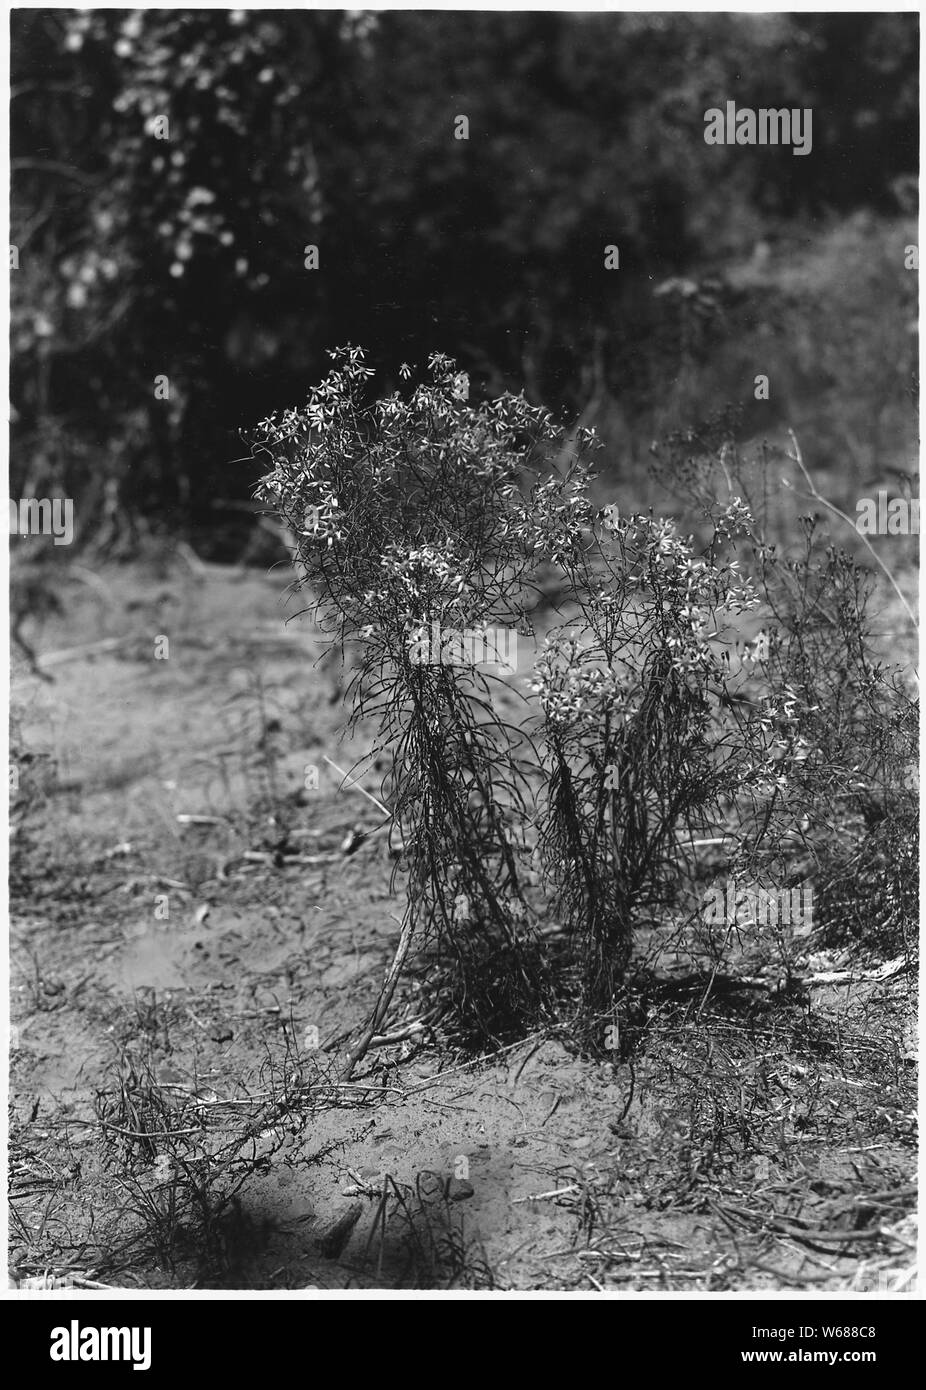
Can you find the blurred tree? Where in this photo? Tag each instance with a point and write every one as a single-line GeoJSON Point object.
{"type": "Point", "coordinates": [170, 169]}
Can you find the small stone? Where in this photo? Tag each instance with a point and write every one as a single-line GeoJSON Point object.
{"type": "Point", "coordinates": [458, 1189]}
{"type": "Point", "coordinates": [332, 1240]}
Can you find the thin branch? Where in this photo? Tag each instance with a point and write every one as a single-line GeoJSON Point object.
{"type": "Point", "coordinates": [56, 166]}
{"type": "Point", "coordinates": [348, 786]}
{"type": "Point", "coordinates": [358, 1052]}
{"type": "Point", "coordinates": [816, 496]}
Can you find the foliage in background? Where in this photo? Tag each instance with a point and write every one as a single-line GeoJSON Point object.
{"type": "Point", "coordinates": [184, 257]}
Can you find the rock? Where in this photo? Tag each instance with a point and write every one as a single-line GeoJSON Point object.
{"type": "Point", "coordinates": [332, 1240]}
{"type": "Point", "coordinates": [458, 1190]}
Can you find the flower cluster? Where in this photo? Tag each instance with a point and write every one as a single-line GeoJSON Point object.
{"type": "Point", "coordinates": [690, 651]}
{"type": "Point", "coordinates": [574, 686]}
{"type": "Point", "coordinates": [428, 581]}
{"type": "Point", "coordinates": [553, 520]}
{"type": "Point", "coordinates": [735, 518]}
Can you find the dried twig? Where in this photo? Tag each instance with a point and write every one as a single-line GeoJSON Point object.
{"type": "Point", "coordinates": [546, 1196]}
{"type": "Point", "coordinates": [359, 1051]}
{"type": "Point", "coordinates": [816, 496]}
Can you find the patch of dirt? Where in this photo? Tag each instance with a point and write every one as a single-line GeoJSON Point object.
{"type": "Point", "coordinates": [188, 931]}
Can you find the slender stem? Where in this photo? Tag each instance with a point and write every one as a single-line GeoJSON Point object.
{"type": "Point", "coordinates": [797, 458]}
{"type": "Point", "coordinates": [348, 786]}
{"type": "Point", "coordinates": [359, 1051]}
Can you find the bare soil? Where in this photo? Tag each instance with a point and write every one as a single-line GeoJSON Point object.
{"type": "Point", "coordinates": [183, 989]}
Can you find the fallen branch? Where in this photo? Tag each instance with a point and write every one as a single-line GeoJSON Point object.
{"type": "Point", "coordinates": [887, 971]}
{"type": "Point", "coordinates": [806, 1234]}
{"type": "Point", "coordinates": [411, 1030]}
{"type": "Point", "coordinates": [546, 1196]}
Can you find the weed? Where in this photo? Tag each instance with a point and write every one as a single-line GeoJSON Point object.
{"type": "Point", "coordinates": [715, 688]}
{"type": "Point", "coordinates": [182, 1167]}
{"type": "Point", "coordinates": [418, 1239]}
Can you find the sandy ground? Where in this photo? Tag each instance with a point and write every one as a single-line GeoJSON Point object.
{"type": "Point", "coordinates": [207, 963]}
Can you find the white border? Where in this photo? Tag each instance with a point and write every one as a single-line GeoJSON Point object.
{"type": "Point", "coordinates": [90, 1297]}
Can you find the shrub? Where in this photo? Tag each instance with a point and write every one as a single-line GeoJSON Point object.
{"type": "Point", "coordinates": [637, 752]}
{"type": "Point", "coordinates": [817, 701]}
{"type": "Point", "coordinates": [713, 687]}
{"type": "Point", "coordinates": [410, 523]}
